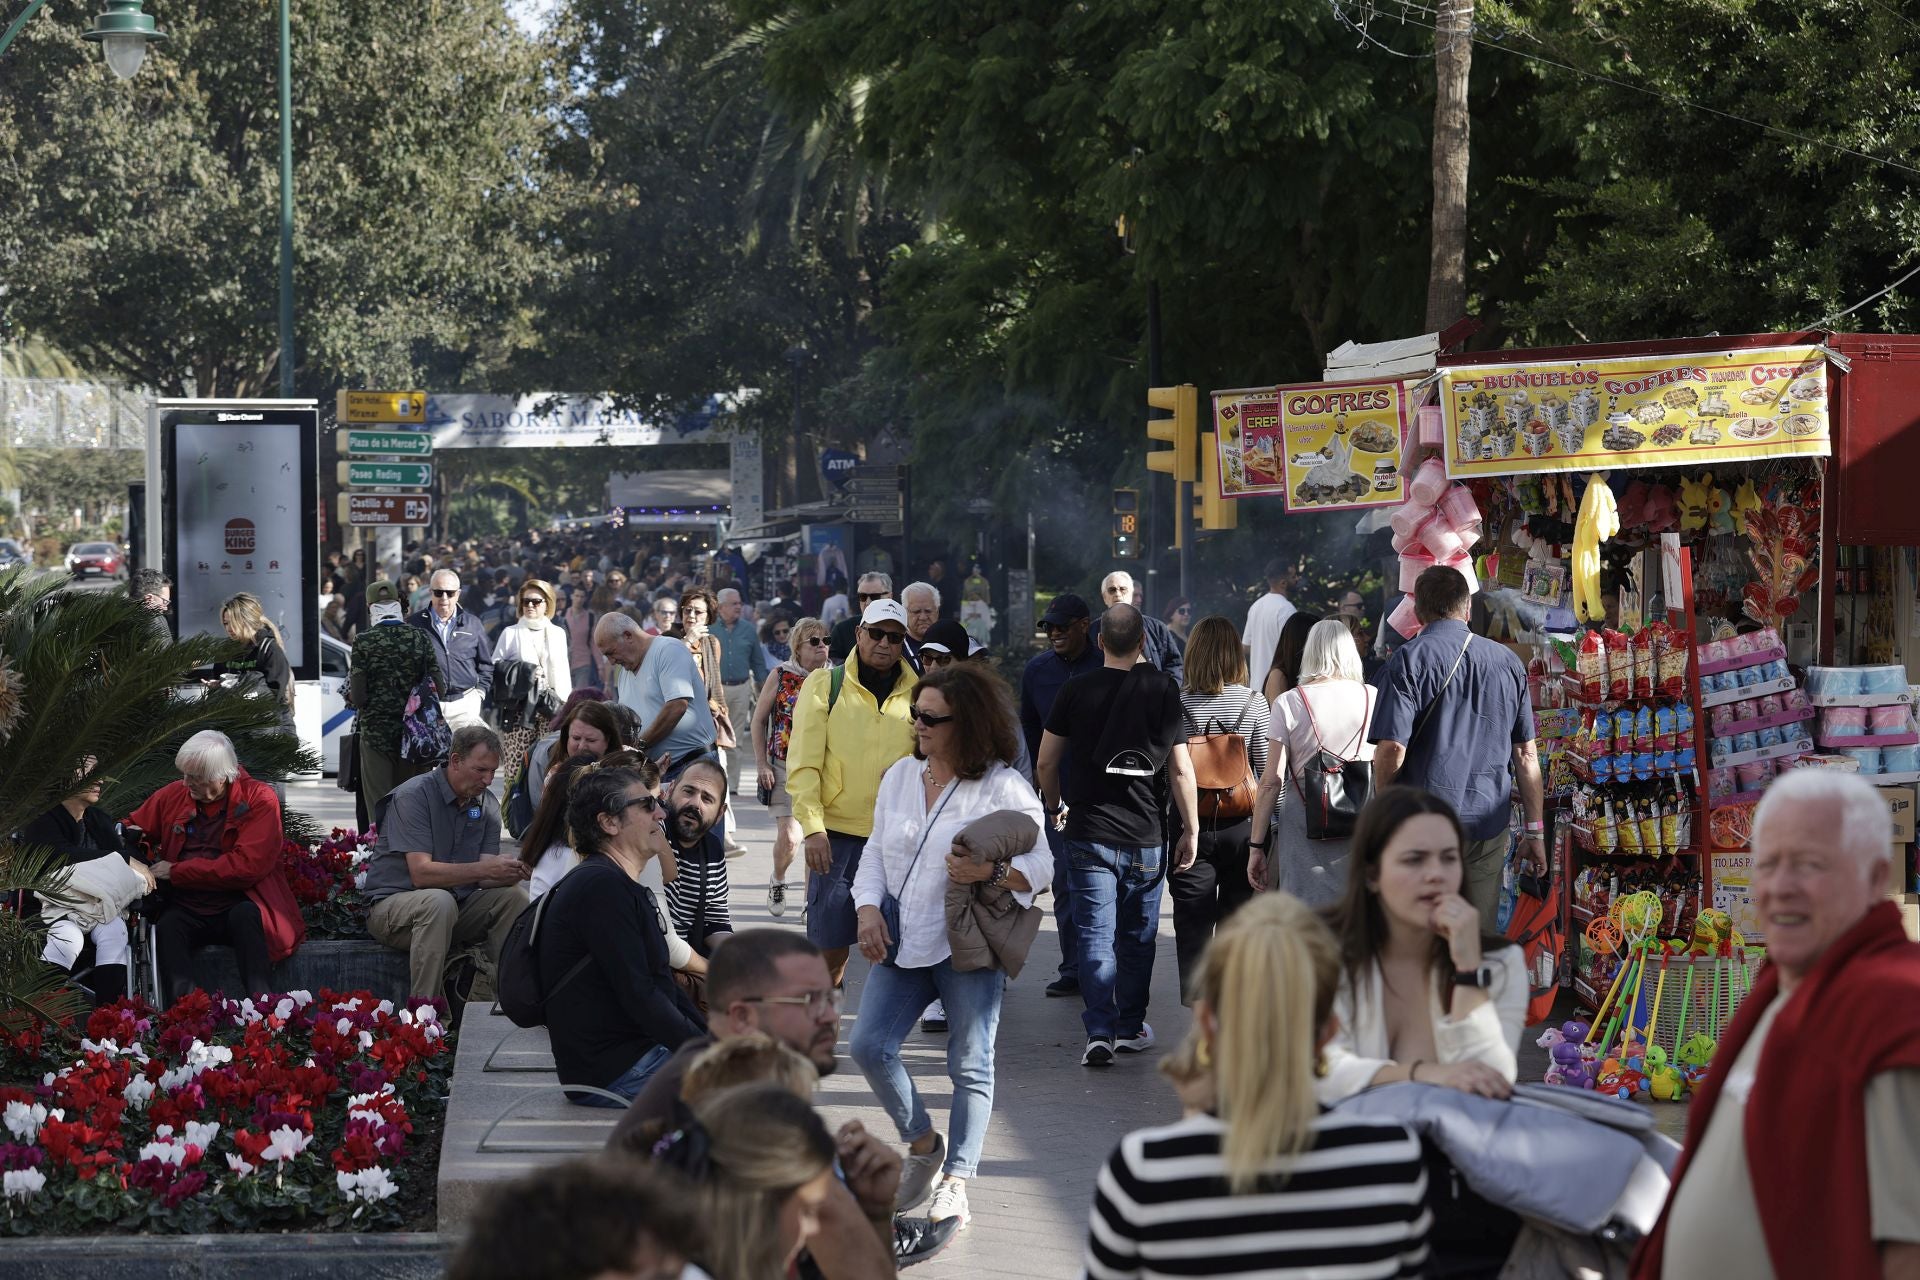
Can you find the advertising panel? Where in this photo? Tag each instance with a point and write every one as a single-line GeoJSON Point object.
{"type": "Point", "coordinates": [1321, 446]}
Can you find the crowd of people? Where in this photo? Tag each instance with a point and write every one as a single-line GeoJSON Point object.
{"type": "Point", "coordinates": [1332, 840]}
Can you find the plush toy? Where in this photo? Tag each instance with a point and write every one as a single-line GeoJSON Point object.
{"type": "Point", "coordinates": [1720, 511]}
{"type": "Point", "coordinates": [1697, 1051]}
{"type": "Point", "coordinates": [1694, 498]}
{"type": "Point", "coordinates": [1550, 1037]}
{"type": "Point", "coordinates": [1576, 1031]}
{"type": "Point", "coordinates": [1633, 505]}
{"type": "Point", "coordinates": [1599, 520]}
{"type": "Point", "coordinates": [1746, 500]}
{"type": "Point", "coordinates": [1554, 1075]}
{"type": "Point", "coordinates": [1662, 512]}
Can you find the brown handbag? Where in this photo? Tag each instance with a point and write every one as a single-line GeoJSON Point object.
{"type": "Point", "coordinates": [1222, 774]}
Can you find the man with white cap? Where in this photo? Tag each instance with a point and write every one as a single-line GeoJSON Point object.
{"type": "Point", "coordinates": [851, 722]}
{"type": "Point", "coordinates": [1802, 1150]}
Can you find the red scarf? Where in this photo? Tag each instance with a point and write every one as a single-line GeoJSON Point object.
{"type": "Point", "coordinates": [1856, 1015]}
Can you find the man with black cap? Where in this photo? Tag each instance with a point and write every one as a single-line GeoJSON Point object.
{"type": "Point", "coordinates": [1069, 653]}
{"type": "Point", "coordinates": [389, 659]}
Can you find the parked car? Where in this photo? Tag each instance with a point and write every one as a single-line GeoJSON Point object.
{"type": "Point", "coordinates": [97, 560]}
{"type": "Point", "coordinates": [321, 713]}
{"type": "Point", "coordinates": [11, 553]}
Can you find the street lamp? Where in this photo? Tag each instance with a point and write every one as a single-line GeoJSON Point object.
{"type": "Point", "coordinates": [123, 31]}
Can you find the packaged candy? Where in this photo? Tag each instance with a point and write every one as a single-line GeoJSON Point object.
{"type": "Point", "coordinates": [1640, 645]}
{"type": "Point", "coordinates": [1722, 715]}
{"type": "Point", "coordinates": [1770, 736]}
{"type": "Point", "coordinates": [1712, 651]}
{"type": "Point", "coordinates": [1794, 699]}
{"type": "Point", "coordinates": [1412, 565]}
{"type": "Point", "coordinates": [1743, 742]}
{"type": "Point", "coordinates": [1754, 775]}
{"type": "Point", "coordinates": [1628, 825]}
{"type": "Point", "coordinates": [1843, 722]}
{"type": "Point", "coordinates": [1625, 741]}
{"type": "Point", "coordinates": [1868, 758]}
{"type": "Point", "coordinates": [1403, 620]}
{"type": "Point", "coordinates": [1748, 676]}
{"type": "Point", "coordinates": [1888, 680]}
{"type": "Point", "coordinates": [1430, 483]}
{"type": "Point", "coordinates": [1619, 665]}
{"type": "Point", "coordinates": [1775, 670]}
{"type": "Point", "coordinates": [1900, 759]}
{"type": "Point", "coordinates": [1769, 704]}
{"type": "Point", "coordinates": [1407, 518]}
{"type": "Point", "coordinates": [1722, 782]}
{"type": "Point", "coordinates": [1591, 660]}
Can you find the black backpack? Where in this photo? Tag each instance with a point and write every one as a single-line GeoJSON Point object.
{"type": "Point", "coordinates": [521, 996]}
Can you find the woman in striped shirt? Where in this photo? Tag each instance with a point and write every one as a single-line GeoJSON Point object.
{"type": "Point", "coordinates": [1262, 1183]}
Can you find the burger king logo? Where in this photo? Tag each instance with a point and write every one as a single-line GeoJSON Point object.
{"type": "Point", "coordinates": [240, 537]}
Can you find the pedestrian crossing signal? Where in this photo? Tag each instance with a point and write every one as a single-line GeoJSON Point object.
{"type": "Point", "coordinates": [1126, 524]}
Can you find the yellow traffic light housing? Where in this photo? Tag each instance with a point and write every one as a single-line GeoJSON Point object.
{"type": "Point", "coordinates": [1211, 511]}
{"type": "Point", "coordinates": [1182, 431]}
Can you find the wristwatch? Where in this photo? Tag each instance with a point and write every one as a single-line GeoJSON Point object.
{"type": "Point", "coordinates": [1481, 977]}
{"type": "Point", "coordinates": [1261, 845]}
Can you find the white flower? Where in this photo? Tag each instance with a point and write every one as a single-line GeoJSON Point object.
{"type": "Point", "coordinates": [385, 1006]}
{"type": "Point", "coordinates": [366, 1041]}
{"type": "Point", "coordinates": [301, 998]}
{"type": "Point", "coordinates": [23, 1120]}
{"type": "Point", "coordinates": [201, 1134]}
{"type": "Point", "coordinates": [359, 879]}
{"type": "Point", "coordinates": [166, 1152]}
{"type": "Point", "coordinates": [108, 1047]}
{"type": "Point", "coordinates": [406, 1017]}
{"type": "Point", "coordinates": [427, 1013]}
{"type": "Point", "coordinates": [163, 1131]}
{"type": "Point", "coordinates": [368, 1184]}
{"type": "Point", "coordinates": [239, 1166]}
{"type": "Point", "coordinates": [288, 1142]}
{"type": "Point", "coordinates": [21, 1183]}
{"type": "Point", "coordinates": [138, 1093]}
{"type": "Point", "coordinates": [250, 1012]}
{"type": "Point", "coordinates": [350, 1006]}
{"type": "Point", "coordinates": [283, 1009]}
{"type": "Point", "coordinates": [344, 1026]}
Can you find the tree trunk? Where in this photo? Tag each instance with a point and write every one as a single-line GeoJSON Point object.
{"type": "Point", "coordinates": [1453, 59]}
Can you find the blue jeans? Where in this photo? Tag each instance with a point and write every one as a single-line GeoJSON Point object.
{"type": "Point", "coordinates": [890, 1007]}
{"type": "Point", "coordinates": [629, 1085]}
{"type": "Point", "coordinates": [831, 920]}
{"type": "Point", "coordinates": [1116, 911]}
{"type": "Point", "coordinates": [1063, 905]}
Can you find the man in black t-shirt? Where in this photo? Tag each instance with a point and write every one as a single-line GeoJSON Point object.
{"type": "Point", "coordinates": [1123, 722]}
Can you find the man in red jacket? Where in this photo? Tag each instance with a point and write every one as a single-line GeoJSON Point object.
{"type": "Point", "coordinates": [1802, 1151]}
{"type": "Point", "coordinates": [215, 837]}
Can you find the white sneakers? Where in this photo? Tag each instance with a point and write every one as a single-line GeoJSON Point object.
{"type": "Point", "coordinates": [1139, 1043]}
{"type": "Point", "coordinates": [918, 1173]}
{"type": "Point", "coordinates": [950, 1201]}
{"type": "Point", "coordinates": [777, 898]}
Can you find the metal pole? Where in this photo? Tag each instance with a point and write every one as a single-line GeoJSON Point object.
{"type": "Point", "coordinates": [13, 28]}
{"type": "Point", "coordinates": [1182, 493]}
{"type": "Point", "coordinates": [286, 204]}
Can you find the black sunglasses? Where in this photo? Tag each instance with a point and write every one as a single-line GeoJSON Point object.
{"type": "Point", "coordinates": [444, 594]}
{"type": "Point", "coordinates": [889, 637]}
{"type": "Point", "coordinates": [868, 597]}
{"type": "Point", "coordinates": [929, 719]}
{"type": "Point", "coordinates": [531, 602]}
{"type": "Point", "coordinates": [652, 804]}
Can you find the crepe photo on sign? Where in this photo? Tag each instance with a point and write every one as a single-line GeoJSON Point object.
{"type": "Point", "coordinates": [1321, 446]}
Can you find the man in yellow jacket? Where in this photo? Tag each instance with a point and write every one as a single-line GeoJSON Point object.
{"type": "Point", "coordinates": [850, 723]}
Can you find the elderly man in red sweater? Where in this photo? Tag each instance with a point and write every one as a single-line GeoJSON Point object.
{"type": "Point", "coordinates": [1803, 1148]}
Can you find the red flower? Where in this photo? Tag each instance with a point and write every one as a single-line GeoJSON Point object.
{"type": "Point", "coordinates": [250, 1144]}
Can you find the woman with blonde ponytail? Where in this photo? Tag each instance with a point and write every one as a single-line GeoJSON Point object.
{"type": "Point", "coordinates": [1258, 1180]}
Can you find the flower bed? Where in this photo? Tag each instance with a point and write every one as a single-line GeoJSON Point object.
{"type": "Point", "coordinates": [327, 879]}
{"type": "Point", "coordinates": [297, 1113]}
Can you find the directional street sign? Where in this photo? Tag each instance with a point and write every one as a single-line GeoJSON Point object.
{"type": "Point", "coordinates": [380, 444]}
{"type": "Point", "coordinates": [387, 475]}
{"type": "Point", "coordinates": [382, 406]}
{"type": "Point", "coordinates": [873, 515]}
{"type": "Point", "coordinates": [363, 510]}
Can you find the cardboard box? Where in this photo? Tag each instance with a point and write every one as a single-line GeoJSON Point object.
{"type": "Point", "coordinates": [1899, 871]}
{"type": "Point", "coordinates": [1910, 912]}
{"type": "Point", "coordinates": [1900, 802]}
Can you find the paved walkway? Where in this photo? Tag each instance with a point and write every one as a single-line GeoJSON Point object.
{"type": "Point", "coordinates": [1054, 1121]}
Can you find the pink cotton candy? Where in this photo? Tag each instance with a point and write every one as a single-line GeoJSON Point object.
{"type": "Point", "coordinates": [1464, 563]}
{"type": "Point", "coordinates": [1459, 507]}
{"type": "Point", "coordinates": [1407, 519]}
{"type": "Point", "coordinates": [1429, 482]}
{"type": "Point", "coordinates": [1402, 619]}
{"type": "Point", "coordinates": [1442, 539]}
{"type": "Point", "coordinates": [1412, 565]}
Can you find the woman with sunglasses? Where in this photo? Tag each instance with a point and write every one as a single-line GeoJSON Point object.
{"type": "Point", "coordinates": [1179, 616]}
{"type": "Point", "coordinates": [614, 1012]}
{"type": "Point", "coordinates": [535, 638]}
{"type": "Point", "coordinates": [964, 734]}
{"type": "Point", "coordinates": [772, 733]}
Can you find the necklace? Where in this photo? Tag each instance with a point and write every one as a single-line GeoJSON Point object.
{"type": "Point", "coordinates": [926, 771]}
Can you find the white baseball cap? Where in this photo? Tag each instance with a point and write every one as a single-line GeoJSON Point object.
{"type": "Point", "coordinates": [884, 611]}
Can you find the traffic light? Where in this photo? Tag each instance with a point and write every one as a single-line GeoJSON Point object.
{"type": "Point", "coordinates": [1182, 431]}
{"type": "Point", "coordinates": [1126, 524]}
{"type": "Point", "coordinates": [1211, 511]}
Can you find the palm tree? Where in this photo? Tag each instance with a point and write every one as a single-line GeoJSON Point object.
{"type": "Point", "coordinates": [90, 687]}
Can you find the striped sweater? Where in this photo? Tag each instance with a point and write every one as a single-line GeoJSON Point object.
{"type": "Point", "coordinates": [1235, 709]}
{"type": "Point", "coordinates": [697, 898]}
{"type": "Point", "coordinates": [1351, 1205]}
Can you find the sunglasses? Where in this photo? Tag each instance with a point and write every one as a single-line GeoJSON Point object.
{"type": "Point", "coordinates": [868, 597]}
{"type": "Point", "coordinates": [887, 637]}
{"type": "Point", "coordinates": [929, 719]}
{"type": "Point", "coordinates": [444, 595]}
{"type": "Point", "coordinates": [780, 634]}
{"type": "Point", "coordinates": [933, 658]}
{"type": "Point", "coordinates": [819, 640]}
{"type": "Point", "coordinates": [652, 804]}
{"type": "Point", "coordinates": [532, 602]}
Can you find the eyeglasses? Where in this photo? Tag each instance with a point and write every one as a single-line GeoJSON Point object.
{"type": "Point", "coordinates": [934, 658]}
{"type": "Point", "coordinates": [532, 602]}
{"type": "Point", "coordinates": [929, 719]}
{"type": "Point", "coordinates": [819, 640]}
{"type": "Point", "coordinates": [887, 637]}
{"type": "Point", "coordinates": [445, 595]}
{"type": "Point", "coordinates": [1183, 609]}
{"type": "Point", "coordinates": [815, 1002]}
{"type": "Point", "coordinates": [868, 597]}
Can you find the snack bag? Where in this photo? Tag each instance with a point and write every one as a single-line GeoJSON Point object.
{"type": "Point", "coordinates": [1629, 826]}
{"type": "Point", "coordinates": [1641, 647]}
{"type": "Point", "coordinates": [1619, 665]}
{"type": "Point", "coordinates": [1672, 657]}
{"type": "Point", "coordinates": [1591, 663]}
{"type": "Point", "coordinates": [1643, 729]}
{"type": "Point", "coordinates": [1664, 721]}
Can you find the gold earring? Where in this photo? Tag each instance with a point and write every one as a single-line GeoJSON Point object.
{"type": "Point", "coordinates": [1320, 1066]}
{"type": "Point", "coordinates": [1203, 1054]}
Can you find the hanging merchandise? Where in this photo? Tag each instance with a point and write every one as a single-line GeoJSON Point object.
{"type": "Point", "coordinates": [1438, 525]}
{"type": "Point", "coordinates": [1598, 521]}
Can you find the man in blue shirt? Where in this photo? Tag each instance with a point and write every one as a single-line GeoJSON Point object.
{"type": "Point", "coordinates": [1454, 717]}
{"type": "Point", "coordinates": [657, 678]}
{"type": "Point", "coordinates": [1071, 653]}
{"type": "Point", "coordinates": [742, 667]}
{"type": "Point", "coordinates": [460, 642]}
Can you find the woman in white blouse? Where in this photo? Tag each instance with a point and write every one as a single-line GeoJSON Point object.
{"type": "Point", "coordinates": [1424, 994]}
{"type": "Point", "coordinates": [1330, 707]}
{"type": "Point", "coordinates": [964, 736]}
{"type": "Point", "coordinates": [537, 639]}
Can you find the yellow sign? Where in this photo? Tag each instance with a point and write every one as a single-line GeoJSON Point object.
{"type": "Point", "coordinates": [382, 406]}
{"type": "Point", "coordinates": [1322, 446]}
{"type": "Point", "coordinates": [1645, 411]}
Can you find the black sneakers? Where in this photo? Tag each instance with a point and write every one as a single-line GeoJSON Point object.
{"type": "Point", "coordinates": [1099, 1053]}
{"type": "Point", "coordinates": [917, 1239]}
{"type": "Point", "coordinates": [1064, 987]}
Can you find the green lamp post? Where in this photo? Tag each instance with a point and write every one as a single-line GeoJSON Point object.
{"type": "Point", "coordinates": [123, 31]}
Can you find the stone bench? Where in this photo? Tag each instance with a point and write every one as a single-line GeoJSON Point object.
{"type": "Point", "coordinates": [357, 964]}
{"type": "Point", "coordinates": [506, 1115]}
